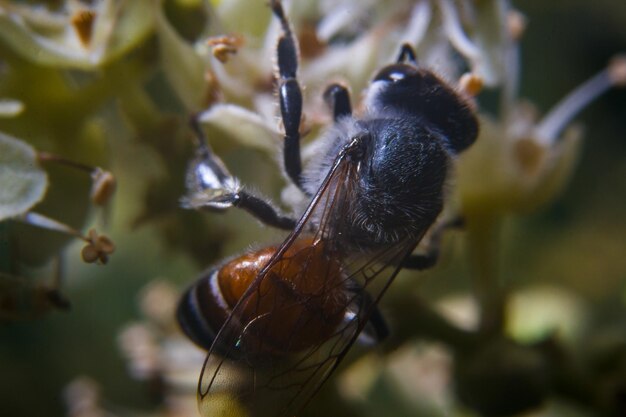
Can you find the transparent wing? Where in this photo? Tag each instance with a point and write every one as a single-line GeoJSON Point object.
{"type": "Point", "coordinates": [299, 317]}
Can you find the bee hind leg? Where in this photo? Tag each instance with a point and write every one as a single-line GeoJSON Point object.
{"type": "Point", "coordinates": [362, 306]}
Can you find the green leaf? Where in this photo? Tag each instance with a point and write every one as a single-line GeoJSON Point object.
{"type": "Point", "coordinates": [22, 182]}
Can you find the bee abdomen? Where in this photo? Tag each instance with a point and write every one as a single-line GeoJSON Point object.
{"type": "Point", "coordinates": [202, 310]}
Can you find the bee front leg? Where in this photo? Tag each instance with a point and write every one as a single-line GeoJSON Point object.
{"type": "Point", "coordinates": [290, 95]}
{"type": "Point", "coordinates": [263, 211]}
{"type": "Point", "coordinates": [210, 186]}
{"type": "Point", "coordinates": [337, 98]}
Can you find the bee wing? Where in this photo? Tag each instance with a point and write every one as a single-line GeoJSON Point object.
{"type": "Point", "coordinates": [273, 354]}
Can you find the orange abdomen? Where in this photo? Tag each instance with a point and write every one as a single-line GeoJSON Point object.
{"type": "Point", "coordinates": [298, 304]}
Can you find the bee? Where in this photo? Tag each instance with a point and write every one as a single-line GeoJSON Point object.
{"type": "Point", "coordinates": [278, 320]}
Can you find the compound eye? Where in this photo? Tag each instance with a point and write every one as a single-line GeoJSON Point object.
{"type": "Point", "coordinates": [395, 73]}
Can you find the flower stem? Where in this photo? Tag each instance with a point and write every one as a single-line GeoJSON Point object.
{"type": "Point", "coordinates": [50, 157]}
{"type": "Point", "coordinates": [483, 244]}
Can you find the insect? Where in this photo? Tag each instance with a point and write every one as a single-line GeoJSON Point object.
{"type": "Point", "coordinates": [278, 320]}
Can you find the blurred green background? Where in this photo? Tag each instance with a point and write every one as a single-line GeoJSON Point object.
{"type": "Point", "coordinates": [577, 243]}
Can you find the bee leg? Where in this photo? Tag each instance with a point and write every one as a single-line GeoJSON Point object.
{"type": "Point", "coordinates": [407, 53]}
{"type": "Point", "coordinates": [290, 95]}
{"type": "Point", "coordinates": [263, 211]}
{"type": "Point", "coordinates": [421, 261]}
{"type": "Point", "coordinates": [211, 187]}
{"type": "Point", "coordinates": [375, 329]}
{"type": "Point", "coordinates": [337, 98]}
